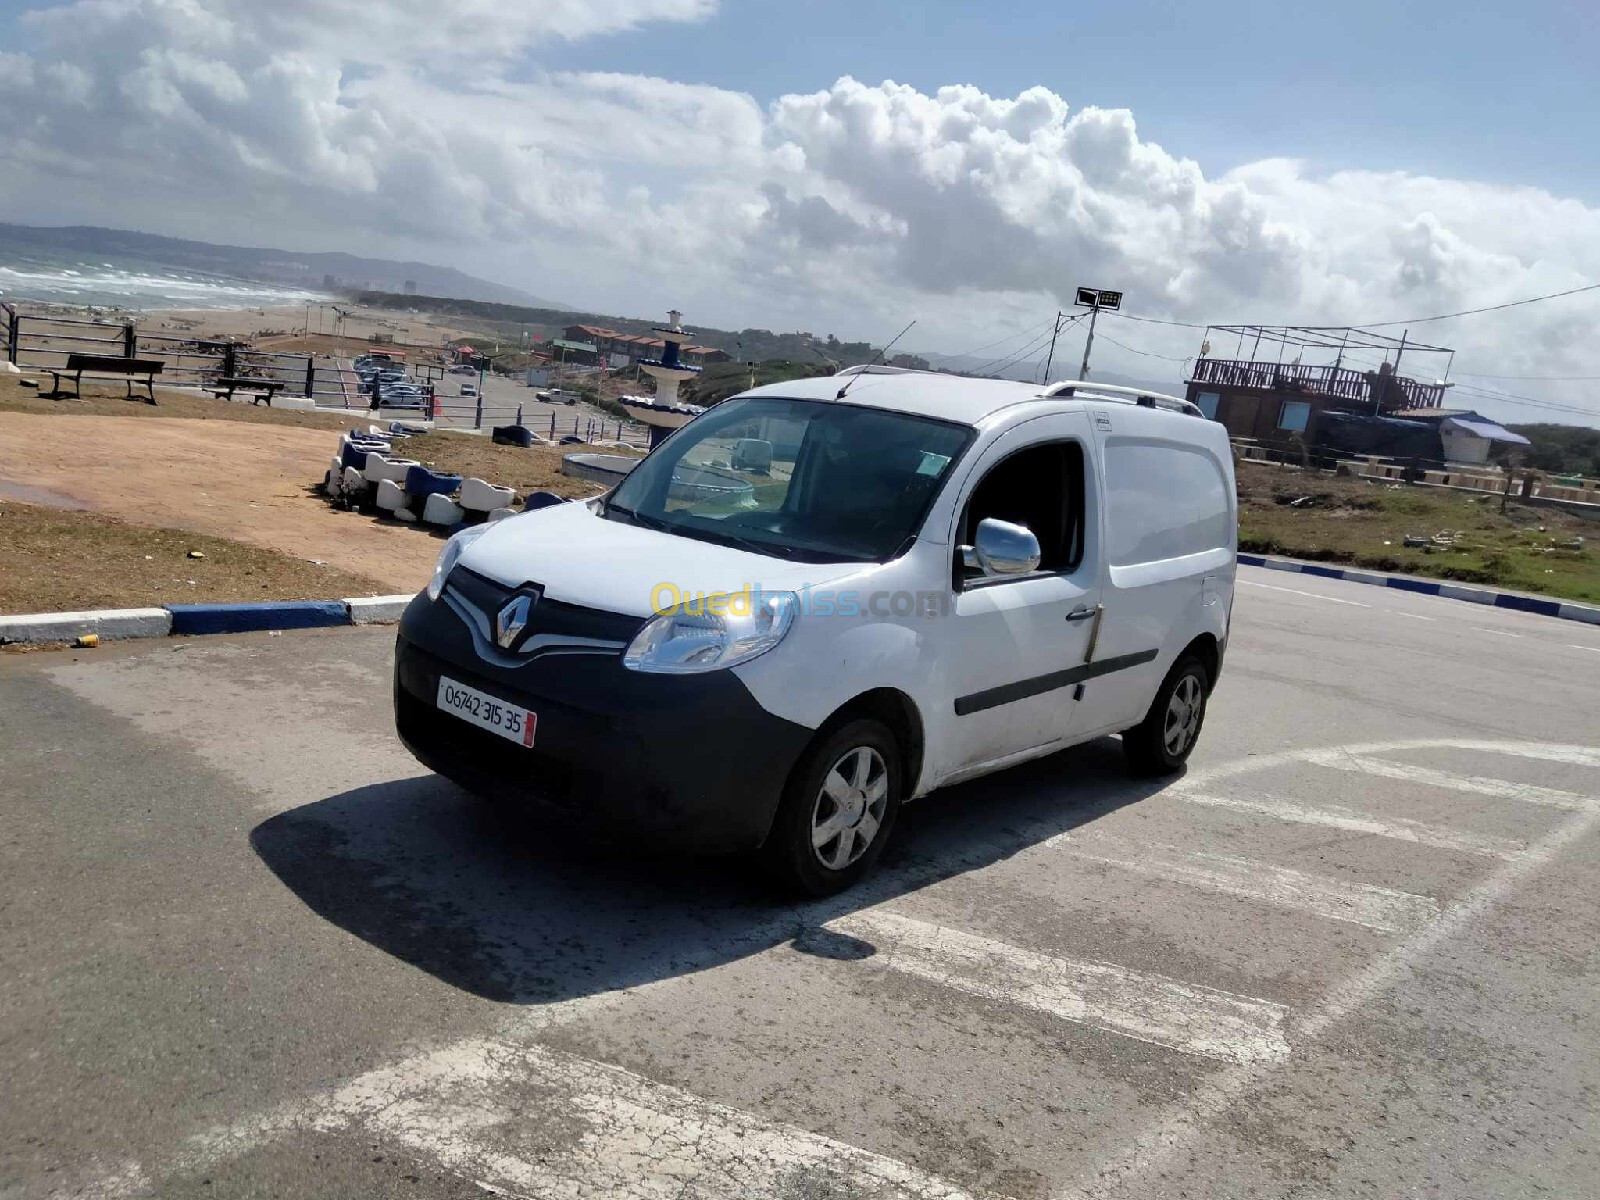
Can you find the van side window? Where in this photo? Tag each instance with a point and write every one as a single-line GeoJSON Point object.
{"type": "Point", "coordinates": [1040, 487]}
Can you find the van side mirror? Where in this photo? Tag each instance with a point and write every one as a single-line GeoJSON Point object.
{"type": "Point", "coordinates": [1001, 548]}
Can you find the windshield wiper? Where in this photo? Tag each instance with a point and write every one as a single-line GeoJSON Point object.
{"type": "Point", "coordinates": [775, 549]}
{"type": "Point", "coordinates": [637, 517]}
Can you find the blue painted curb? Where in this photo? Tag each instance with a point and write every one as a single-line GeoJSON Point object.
{"type": "Point", "coordinates": [1564, 609]}
{"type": "Point", "coordinates": [252, 618]}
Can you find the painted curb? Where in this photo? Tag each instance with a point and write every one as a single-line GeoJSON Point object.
{"type": "Point", "coordinates": [1565, 609]}
{"type": "Point", "coordinates": [370, 610]}
{"type": "Point", "coordinates": [192, 619]}
{"type": "Point", "coordinates": [253, 618]}
{"type": "Point", "coordinates": [107, 623]}
{"type": "Point", "coordinates": [189, 619]}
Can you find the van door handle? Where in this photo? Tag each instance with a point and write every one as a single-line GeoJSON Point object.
{"type": "Point", "coordinates": [1081, 614]}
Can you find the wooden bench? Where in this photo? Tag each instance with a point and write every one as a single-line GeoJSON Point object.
{"type": "Point", "coordinates": [105, 364]}
{"type": "Point", "coordinates": [264, 389]}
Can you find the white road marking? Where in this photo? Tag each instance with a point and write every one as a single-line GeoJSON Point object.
{"type": "Point", "coordinates": [1331, 816]}
{"type": "Point", "coordinates": [1590, 649]}
{"type": "Point", "coordinates": [1149, 1008]}
{"type": "Point", "coordinates": [1149, 1152]}
{"type": "Point", "coordinates": [1152, 1152]}
{"type": "Point", "coordinates": [1297, 592]}
{"type": "Point", "coordinates": [1400, 612]}
{"type": "Point", "coordinates": [1501, 632]}
{"type": "Point", "coordinates": [1526, 792]}
{"type": "Point", "coordinates": [597, 1130]}
{"type": "Point", "coordinates": [1580, 756]}
{"type": "Point", "coordinates": [1380, 908]}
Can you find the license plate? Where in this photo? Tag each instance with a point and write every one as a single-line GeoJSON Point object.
{"type": "Point", "coordinates": [486, 712]}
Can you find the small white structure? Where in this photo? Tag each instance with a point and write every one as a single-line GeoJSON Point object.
{"type": "Point", "coordinates": [1467, 438]}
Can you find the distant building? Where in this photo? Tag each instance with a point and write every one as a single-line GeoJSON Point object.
{"type": "Point", "coordinates": [1275, 402]}
{"type": "Point", "coordinates": [330, 283]}
{"type": "Point", "coordinates": [1465, 436]}
{"type": "Point", "coordinates": [633, 348]}
{"type": "Point", "coordinates": [410, 287]}
{"type": "Point", "coordinates": [571, 350]}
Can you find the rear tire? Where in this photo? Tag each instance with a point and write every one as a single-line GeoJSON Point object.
{"type": "Point", "coordinates": [838, 809]}
{"type": "Point", "coordinates": [1163, 741]}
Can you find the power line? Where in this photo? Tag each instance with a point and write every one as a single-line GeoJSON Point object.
{"type": "Point", "coordinates": [1146, 353]}
{"type": "Point", "coordinates": [1127, 316]}
{"type": "Point", "coordinates": [1011, 360]}
{"type": "Point", "coordinates": [1469, 312]}
{"type": "Point", "coordinates": [1466, 312]}
{"type": "Point", "coordinates": [1006, 361]}
{"type": "Point", "coordinates": [1544, 378]}
{"type": "Point", "coordinates": [1524, 401]}
{"type": "Point", "coordinates": [990, 345]}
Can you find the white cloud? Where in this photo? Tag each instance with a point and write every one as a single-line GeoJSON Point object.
{"type": "Point", "coordinates": [359, 125]}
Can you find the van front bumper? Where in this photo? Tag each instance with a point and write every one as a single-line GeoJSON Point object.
{"type": "Point", "coordinates": [690, 760]}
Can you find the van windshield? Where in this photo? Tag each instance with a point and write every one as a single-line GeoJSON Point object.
{"type": "Point", "coordinates": [816, 481]}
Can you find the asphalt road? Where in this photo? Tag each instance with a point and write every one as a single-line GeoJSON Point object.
{"type": "Point", "coordinates": [249, 948]}
{"type": "Point", "coordinates": [504, 398]}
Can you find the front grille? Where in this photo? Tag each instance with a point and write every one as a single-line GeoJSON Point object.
{"type": "Point", "coordinates": [553, 617]}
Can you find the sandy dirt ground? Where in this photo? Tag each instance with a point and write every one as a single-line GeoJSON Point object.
{"type": "Point", "coordinates": [235, 480]}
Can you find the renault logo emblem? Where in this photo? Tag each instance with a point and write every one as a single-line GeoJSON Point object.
{"type": "Point", "coordinates": [512, 620]}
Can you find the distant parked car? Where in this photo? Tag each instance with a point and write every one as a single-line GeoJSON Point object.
{"type": "Point", "coordinates": [469, 389]}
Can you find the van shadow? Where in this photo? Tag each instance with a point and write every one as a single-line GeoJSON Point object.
{"type": "Point", "coordinates": [526, 913]}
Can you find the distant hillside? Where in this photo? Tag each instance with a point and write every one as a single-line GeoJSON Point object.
{"type": "Point", "coordinates": [311, 271]}
{"type": "Point", "coordinates": [1562, 449]}
{"type": "Point", "coordinates": [745, 345]}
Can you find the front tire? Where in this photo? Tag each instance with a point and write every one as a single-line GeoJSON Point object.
{"type": "Point", "coordinates": [1163, 741]}
{"type": "Point", "coordinates": [838, 809]}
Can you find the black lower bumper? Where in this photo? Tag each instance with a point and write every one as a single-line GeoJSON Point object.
{"type": "Point", "coordinates": [690, 760]}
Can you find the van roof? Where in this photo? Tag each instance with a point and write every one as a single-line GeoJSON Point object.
{"type": "Point", "coordinates": [955, 397]}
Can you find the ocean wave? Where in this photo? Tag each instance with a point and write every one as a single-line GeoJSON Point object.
{"type": "Point", "coordinates": [125, 287]}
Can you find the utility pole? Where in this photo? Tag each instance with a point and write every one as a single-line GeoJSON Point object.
{"type": "Point", "coordinates": [1088, 343]}
{"type": "Point", "coordinates": [1054, 333]}
{"type": "Point", "coordinates": [1404, 333]}
{"type": "Point", "coordinates": [1094, 299]}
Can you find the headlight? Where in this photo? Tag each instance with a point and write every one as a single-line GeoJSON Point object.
{"type": "Point", "coordinates": [450, 555]}
{"type": "Point", "coordinates": [681, 643]}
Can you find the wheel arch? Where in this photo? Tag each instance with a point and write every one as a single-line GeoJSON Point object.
{"type": "Point", "coordinates": [899, 712]}
{"type": "Point", "coordinates": [1208, 650]}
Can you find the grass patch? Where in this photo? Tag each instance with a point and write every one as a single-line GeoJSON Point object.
{"type": "Point", "coordinates": [1327, 518]}
{"type": "Point", "coordinates": [527, 469]}
{"type": "Point", "coordinates": [107, 399]}
{"type": "Point", "coordinates": [65, 559]}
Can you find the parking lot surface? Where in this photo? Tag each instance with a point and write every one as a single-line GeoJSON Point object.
{"type": "Point", "coordinates": [250, 949]}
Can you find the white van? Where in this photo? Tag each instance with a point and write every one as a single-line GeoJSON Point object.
{"type": "Point", "coordinates": [825, 598]}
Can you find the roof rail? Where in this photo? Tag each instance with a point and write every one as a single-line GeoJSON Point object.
{"type": "Point", "coordinates": [1118, 394]}
{"type": "Point", "coordinates": [879, 369]}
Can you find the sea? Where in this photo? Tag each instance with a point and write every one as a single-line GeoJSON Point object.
{"type": "Point", "coordinates": [31, 276]}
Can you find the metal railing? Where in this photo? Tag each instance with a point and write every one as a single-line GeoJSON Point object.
{"type": "Point", "coordinates": [1389, 391]}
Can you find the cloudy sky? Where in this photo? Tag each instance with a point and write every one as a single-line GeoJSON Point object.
{"type": "Point", "coordinates": [845, 167]}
